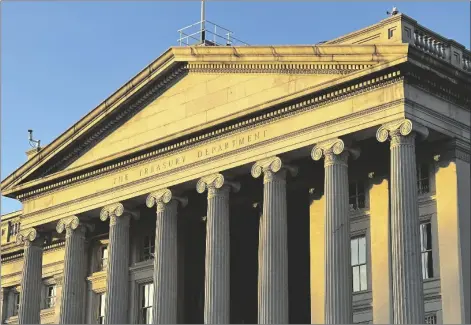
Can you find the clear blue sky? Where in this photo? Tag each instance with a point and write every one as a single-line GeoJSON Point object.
{"type": "Point", "coordinates": [61, 59]}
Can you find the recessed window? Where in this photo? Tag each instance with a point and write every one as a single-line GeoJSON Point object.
{"type": "Point", "coordinates": [103, 257]}
{"type": "Point", "coordinates": [50, 296]}
{"type": "Point", "coordinates": [359, 270]}
{"type": "Point", "coordinates": [101, 308]}
{"type": "Point", "coordinates": [148, 248]}
{"type": "Point", "coordinates": [431, 319]}
{"type": "Point", "coordinates": [147, 301]}
{"type": "Point", "coordinates": [357, 195]}
{"type": "Point", "coordinates": [426, 249]}
{"type": "Point", "coordinates": [423, 179]}
{"type": "Point", "coordinates": [16, 303]}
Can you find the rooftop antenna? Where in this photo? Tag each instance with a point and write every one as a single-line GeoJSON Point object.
{"type": "Point", "coordinates": [33, 143]}
{"type": "Point", "coordinates": [203, 31]}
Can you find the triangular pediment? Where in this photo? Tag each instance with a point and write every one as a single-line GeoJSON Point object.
{"type": "Point", "coordinates": [188, 89]}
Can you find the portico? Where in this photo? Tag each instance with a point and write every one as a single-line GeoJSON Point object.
{"type": "Point", "coordinates": [245, 191]}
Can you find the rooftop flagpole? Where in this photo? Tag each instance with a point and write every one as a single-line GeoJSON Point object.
{"type": "Point", "coordinates": [203, 31]}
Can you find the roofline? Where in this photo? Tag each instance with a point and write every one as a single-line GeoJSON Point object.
{"type": "Point", "coordinates": [102, 108]}
{"type": "Point", "coordinates": [11, 215]}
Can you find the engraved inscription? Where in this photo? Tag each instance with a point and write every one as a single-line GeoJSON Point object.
{"type": "Point", "coordinates": [185, 158]}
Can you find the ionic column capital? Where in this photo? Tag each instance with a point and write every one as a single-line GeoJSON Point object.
{"type": "Point", "coordinates": [397, 131]}
{"type": "Point", "coordinates": [73, 223]}
{"type": "Point", "coordinates": [215, 182]}
{"type": "Point", "coordinates": [116, 210]}
{"type": "Point", "coordinates": [270, 166]}
{"type": "Point", "coordinates": [162, 197]}
{"type": "Point", "coordinates": [334, 151]}
{"type": "Point", "coordinates": [29, 237]}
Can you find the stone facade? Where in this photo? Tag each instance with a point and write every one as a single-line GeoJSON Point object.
{"type": "Point", "coordinates": [290, 184]}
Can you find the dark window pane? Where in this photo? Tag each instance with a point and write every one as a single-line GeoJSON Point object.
{"type": "Point", "coordinates": [361, 201]}
{"type": "Point", "coordinates": [360, 188]}
{"type": "Point", "coordinates": [352, 189]}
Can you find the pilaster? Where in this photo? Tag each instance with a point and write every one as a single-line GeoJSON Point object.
{"type": "Point", "coordinates": [74, 277]}
{"type": "Point", "coordinates": [273, 242]}
{"type": "Point", "coordinates": [31, 277]}
{"type": "Point", "coordinates": [452, 177]}
{"type": "Point", "coordinates": [166, 256]}
{"type": "Point", "coordinates": [337, 267]}
{"type": "Point", "coordinates": [217, 261]}
{"type": "Point", "coordinates": [380, 236]}
{"type": "Point", "coordinates": [117, 281]}
{"type": "Point", "coordinates": [407, 284]}
{"type": "Point", "coordinates": [317, 255]}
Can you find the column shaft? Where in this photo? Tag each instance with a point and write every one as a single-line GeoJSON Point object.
{"type": "Point", "coordinates": [165, 264]}
{"type": "Point", "coordinates": [338, 271]}
{"type": "Point", "coordinates": [31, 282]}
{"type": "Point", "coordinates": [217, 261]}
{"type": "Point", "coordinates": [273, 252]}
{"type": "Point", "coordinates": [408, 302]}
{"type": "Point", "coordinates": [74, 285]}
{"type": "Point", "coordinates": [116, 311]}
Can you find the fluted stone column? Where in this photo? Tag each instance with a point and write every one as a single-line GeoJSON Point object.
{"type": "Point", "coordinates": [166, 256]}
{"type": "Point", "coordinates": [117, 292]}
{"type": "Point", "coordinates": [31, 277]}
{"type": "Point", "coordinates": [408, 300]}
{"type": "Point", "coordinates": [217, 261]}
{"type": "Point", "coordinates": [337, 262]}
{"type": "Point", "coordinates": [75, 261]}
{"type": "Point", "coordinates": [273, 243]}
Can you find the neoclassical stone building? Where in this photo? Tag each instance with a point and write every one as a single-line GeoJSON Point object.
{"type": "Point", "coordinates": [324, 183]}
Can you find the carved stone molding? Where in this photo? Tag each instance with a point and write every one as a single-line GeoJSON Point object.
{"type": "Point", "coordinates": [333, 151]}
{"type": "Point", "coordinates": [73, 223]}
{"type": "Point", "coordinates": [401, 132]}
{"type": "Point", "coordinates": [216, 181]}
{"type": "Point", "coordinates": [114, 211]}
{"type": "Point", "coordinates": [29, 237]}
{"type": "Point", "coordinates": [278, 68]}
{"type": "Point", "coordinates": [270, 166]}
{"type": "Point", "coordinates": [451, 150]}
{"type": "Point", "coordinates": [162, 197]}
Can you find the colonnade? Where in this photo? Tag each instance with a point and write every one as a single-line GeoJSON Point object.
{"type": "Point", "coordinates": [273, 244]}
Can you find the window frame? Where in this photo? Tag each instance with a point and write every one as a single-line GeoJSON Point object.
{"type": "Point", "coordinates": [147, 250]}
{"type": "Point", "coordinates": [356, 195]}
{"type": "Point", "coordinates": [420, 165]}
{"type": "Point", "coordinates": [430, 251]}
{"type": "Point", "coordinates": [141, 305]}
{"type": "Point", "coordinates": [50, 300]}
{"type": "Point", "coordinates": [16, 303]}
{"type": "Point", "coordinates": [359, 265]}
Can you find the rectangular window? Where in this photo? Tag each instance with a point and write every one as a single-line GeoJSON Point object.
{"type": "Point", "coordinates": [16, 301]}
{"type": "Point", "coordinates": [423, 181]}
{"type": "Point", "coordinates": [426, 249]}
{"type": "Point", "coordinates": [356, 195]}
{"type": "Point", "coordinates": [104, 258]}
{"type": "Point", "coordinates": [148, 248]}
{"type": "Point", "coordinates": [50, 296]}
{"type": "Point", "coordinates": [431, 319]}
{"type": "Point", "coordinates": [147, 299]}
{"type": "Point", "coordinates": [101, 308]}
{"type": "Point", "coordinates": [358, 251]}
